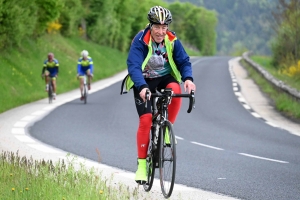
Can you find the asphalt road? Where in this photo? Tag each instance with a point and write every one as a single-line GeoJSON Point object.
{"type": "Point", "coordinates": [221, 148]}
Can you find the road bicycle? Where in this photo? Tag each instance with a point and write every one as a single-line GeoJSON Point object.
{"type": "Point", "coordinates": [85, 89]}
{"type": "Point", "coordinates": [162, 146]}
{"type": "Point", "coordinates": [50, 89]}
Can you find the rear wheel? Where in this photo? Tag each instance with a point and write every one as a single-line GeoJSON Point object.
{"type": "Point", "coordinates": [167, 159]}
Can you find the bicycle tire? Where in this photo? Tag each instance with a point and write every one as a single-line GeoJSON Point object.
{"type": "Point", "coordinates": [167, 160]}
{"type": "Point", "coordinates": [151, 164]}
{"type": "Point", "coordinates": [50, 91]}
{"type": "Point", "coordinates": [85, 93]}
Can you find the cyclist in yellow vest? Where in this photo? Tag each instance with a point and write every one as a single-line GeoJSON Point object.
{"type": "Point", "coordinates": [85, 65]}
{"type": "Point", "coordinates": [50, 70]}
{"type": "Point", "coordinates": [156, 60]}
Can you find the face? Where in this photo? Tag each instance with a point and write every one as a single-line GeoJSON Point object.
{"type": "Point", "coordinates": [50, 57]}
{"type": "Point", "coordinates": [158, 32]}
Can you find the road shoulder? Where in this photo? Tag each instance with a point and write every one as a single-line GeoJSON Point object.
{"type": "Point", "coordinates": [259, 102]}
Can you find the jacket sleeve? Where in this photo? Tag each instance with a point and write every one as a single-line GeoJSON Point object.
{"type": "Point", "coordinates": [56, 66]}
{"type": "Point", "coordinates": [137, 54]}
{"type": "Point", "coordinates": [182, 61]}
{"type": "Point", "coordinates": [91, 65]}
{"type": "Point", "coordinates": [78, 66]}
{"type": "Point", "coordinates": [44, 67]}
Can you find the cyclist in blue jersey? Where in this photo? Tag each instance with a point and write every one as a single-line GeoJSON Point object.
{"type": "Point", "coordinates": [50, 70]}
{"type": "Point", "coordinates": [84, 66]}
{"type": "Point", "coordinates": [156, 60]}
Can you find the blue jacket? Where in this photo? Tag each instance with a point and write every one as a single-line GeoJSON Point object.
{"type": "Point", "coordinates": [140, 51]}
{"type": "Point", "coordinates": [83, 65]}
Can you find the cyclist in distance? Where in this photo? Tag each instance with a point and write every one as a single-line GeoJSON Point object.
{"type": "Point", "coordinates": [84, 66]}
{"type": "Point", "coordinates": [156, 60]}
{"type": "Point", "coordinates": [50, 70]}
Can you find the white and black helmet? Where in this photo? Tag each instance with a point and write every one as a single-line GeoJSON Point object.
{"type": "Point", "coordinates": [159, 15]}
{"type": "Point", "coordinates": [84, 53]}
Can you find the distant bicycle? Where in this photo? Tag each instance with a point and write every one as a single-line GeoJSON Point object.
{"type": "Point", "coordinates": [162, 146]}
{"type": "Point", "coordinates": [50, 89]}
{"type": "Point", "coordinates": [85, 89]}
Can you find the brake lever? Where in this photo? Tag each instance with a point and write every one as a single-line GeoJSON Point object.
{"type": "Point", "coordinates": [147, 97]}
{"type": "Point", "coordinates": [192, 101]}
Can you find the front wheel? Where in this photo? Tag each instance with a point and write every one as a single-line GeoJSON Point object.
{"type": "Point", "coordinates": [85, 93]}
{"type": "Point", "coordinates": [167, 159]}
{"type": "Point", "coordinates": [50, 92]}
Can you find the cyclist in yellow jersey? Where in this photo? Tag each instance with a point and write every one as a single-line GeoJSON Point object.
{"type": "Point", "coordinates": [85, 65]}
{"type": "Point", "coordinates": [50, 70]}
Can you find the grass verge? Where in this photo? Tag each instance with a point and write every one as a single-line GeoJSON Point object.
{"type": "Point", "coordinates": [284, 103]}
{"type": "Point", "coordinates": [20, 77]}
{"type": "Point", "coordinates": [265, 62]}
{"type": "Point", "coordinates": [27, 179]}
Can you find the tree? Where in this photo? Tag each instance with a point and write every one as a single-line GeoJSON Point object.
{"type": "Point", "coordinates": [286, 46]}
{"type": "Point", "coordinates": [17, 22]}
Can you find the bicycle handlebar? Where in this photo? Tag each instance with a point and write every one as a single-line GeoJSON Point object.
{"type": "Point", "coordinates": [167, 93]}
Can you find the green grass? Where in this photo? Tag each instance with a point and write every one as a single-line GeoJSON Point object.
{"type": "Point", "coordinates": [28, 179]}
{"type": "Point", "coordinates": [266, 61]}
{"type": "Point", "coordinates": [21, 68]}
{"type": "Point", "coordinates": [283, 102]}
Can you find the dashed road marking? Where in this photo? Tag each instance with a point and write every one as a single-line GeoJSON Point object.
{"type": "Point", "coordinates": [208, 146]}
{"type": "Point", "coordinates": [262, 158]}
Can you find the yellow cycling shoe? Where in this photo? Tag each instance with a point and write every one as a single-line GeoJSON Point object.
{"type": "Point", "coordinates": [141, 173]}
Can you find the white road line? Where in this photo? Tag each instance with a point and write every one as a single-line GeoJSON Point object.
{"type": "Point", "coordinates": [39, 112]}
{"type": "Point", "coordinates": [50, 107]}
{"type": "Point", "coordinates": [262, 158]}
{"type": "Point", "coordinates": [208, 146]}
{"type": "Point", "coordinates": [195, 62]}
{"type": "Point", "coordinates": [18, 131]}
{"type": "Point", "coordinates": [28, 118]}
{"type": "Point", "coordinates": [256, 115]}
{"type": "Point", "coordinates": [25, 138]}
{"type": "Point", "coordinates": [246, 106]}
{"type": "Point", "coordinates": [20, 124]}
{"type": "Point", "coordinates": [271, 124]}
{"type": "Point", "coordinates": [241, 99]}
{"type": "Point", "coordinates": [179, 138]}
{"type": "Point", "coordinates": [44, 148]}
{"type": "Point", "coordinates": [238, 94]}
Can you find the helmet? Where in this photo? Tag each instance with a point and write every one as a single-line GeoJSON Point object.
{"type": "Point", "coordinates": [84, 53]}
{"type": "Point", "coordinates": [159, 15]}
